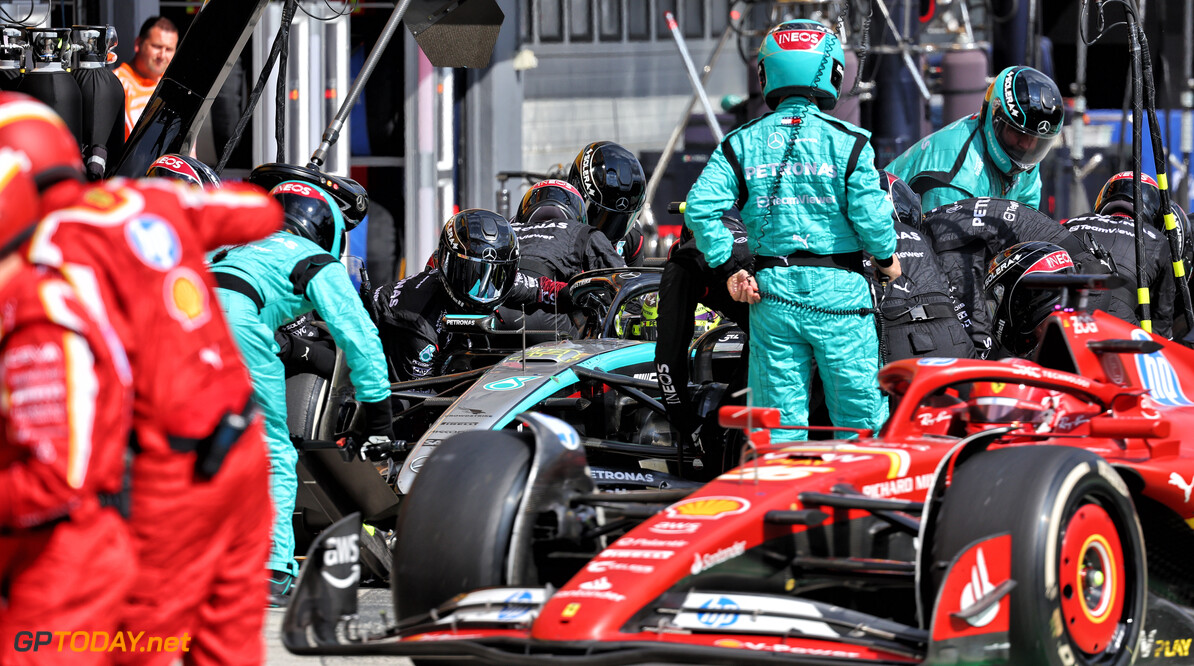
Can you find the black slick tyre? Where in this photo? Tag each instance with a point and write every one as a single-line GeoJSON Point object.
{"type": "Point", "coordinates": [1077, 550]}
{"type": "Point", "coordinates": [455, 526]}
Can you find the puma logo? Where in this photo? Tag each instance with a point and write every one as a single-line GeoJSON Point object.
{"type": "Point", "coordinates": [1175, 479]}
{"type": "Point", "coordinates": [906, 290]}
{"type": "Point", "coordinates": [211, 356]}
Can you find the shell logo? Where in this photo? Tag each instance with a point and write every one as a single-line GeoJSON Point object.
{"type": "Point", "coordinates": [708, 508]}
{"type": "Point", "coordinates": [186, 298]}
{"type": "Point", "coordinates": [98, 198]}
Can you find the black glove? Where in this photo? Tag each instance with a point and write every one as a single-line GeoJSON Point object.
{"type": "Point", "coordinates": [366, 293]}
{"type": "Point", "coordinates": [97, 162]}
{"type": "Point", "coordinates": [553, 293]}
{"type": "Point", "coordinates": [379, 419]}
{"type": "Point", "coordinates": [303, 355]}
{"type": "Point", "coordinates": [737, 262]}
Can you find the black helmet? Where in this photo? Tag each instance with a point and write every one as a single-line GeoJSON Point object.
{"type": "Point", "coordinates": [478, 259]}
{"type": "Point", "coordinates": [612, 182]}
{"type": "Point", "coordinates": [1019, 310]}
{"type": "Point", "coordinates": [312, 213]}
{"type": "Point", "coordinates": [1116, 197]}
{"type": "Point", "coordinates": [903, 199]}
{"type": "Point", "coordinates": [1022, 117]}
{"type": "Point", "coordinates": [551, 200]}
{"type": "Point", "coordinates": [184, 168]}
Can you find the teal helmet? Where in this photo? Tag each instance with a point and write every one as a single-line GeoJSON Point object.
{"type": "Point", "coordinates": [802, 57]}
{"type": "Point", "coordinates": [1022, 117]}
{"type": "Point", "coordinates": [312, 213]}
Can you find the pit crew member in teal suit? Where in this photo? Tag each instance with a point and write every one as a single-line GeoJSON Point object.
{"type": "Point", "coordinates": [807, 188]}
{"type": "Point", "coordinates": [993, 153]}
{"type": "Point", "coordinates": [269, 282]}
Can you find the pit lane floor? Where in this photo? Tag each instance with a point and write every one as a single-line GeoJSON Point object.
{"type": "Point", "coordinates": [372, 601]}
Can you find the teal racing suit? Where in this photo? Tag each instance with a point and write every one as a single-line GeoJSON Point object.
{"type": "Point", "coordinates": [951, 164]}
{"type": "Point", "coordinates": [807, 188]}
{"type": "Point", "coordinates": [262, 286]}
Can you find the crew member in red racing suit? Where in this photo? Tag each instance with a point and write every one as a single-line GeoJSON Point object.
{"type": "Point", "coordinates": [200, 503]}
{"type": "Point", "coordinates": [66, 556]}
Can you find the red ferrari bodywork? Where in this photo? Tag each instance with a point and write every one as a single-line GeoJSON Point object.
{"type": "Point", "coordinates": [1116, 399]}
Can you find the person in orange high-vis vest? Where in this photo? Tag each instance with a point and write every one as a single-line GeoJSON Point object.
{"type": "Point", "coordinates": [154, 49]}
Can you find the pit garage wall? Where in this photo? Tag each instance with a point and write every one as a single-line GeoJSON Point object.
{"type": "Point", "coordinates": [127, 16]}
{"type": "Point", "coordinates": [317, 82]}
{"type": "Point", "coordinates": [614, 73]}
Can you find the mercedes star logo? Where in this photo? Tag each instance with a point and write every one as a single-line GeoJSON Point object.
{"type": "Point", "coordinates": [1044, 127]}
{"type": "Point", "coordinates": [622, 203]}
{"type": "Point", "coordinates": [776, 140]}
{"type": "Point", "coordinates": [489, 254]}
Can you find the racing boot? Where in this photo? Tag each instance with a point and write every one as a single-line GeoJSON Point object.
{"type": "Point", "coordinates": [280, 584]}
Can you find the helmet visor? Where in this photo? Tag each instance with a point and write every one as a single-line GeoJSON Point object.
{"type": "Point", "coordinates": [615, 224]}
{"type": "Point", "coordinates": [478, 280]}
{"type": "Point", "coordinates": [311, 217]}
{"type": "Point", "coordinates": [1004, 410]}
{"type": "Point", "coordinates": [1026, 149]}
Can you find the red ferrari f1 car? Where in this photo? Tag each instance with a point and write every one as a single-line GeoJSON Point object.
{"type": "Point", "coordinates": [1022, 512]}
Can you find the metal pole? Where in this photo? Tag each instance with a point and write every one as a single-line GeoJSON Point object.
{"type": "Point", "coordinates": [333, 130]}
{"type": "Point", "coordinates": [1187, 145]}
{"type": "Point", "coordinates": [1031, 41]}
{"type": "Point", "coordinates": [666, 156]}
{"type": "Point", "coordinates": [1078, 149]}
{"type": "Point", "coordinates": [966, 22]}
{"type": "Point", "coordinates": [710, 117]}
{"type": "Point", "coordinates": [1171, 231]}
{"type": "Point", "coordinates": [1142, 295]}
{"type": "Point", "coordinates": [902, 44]}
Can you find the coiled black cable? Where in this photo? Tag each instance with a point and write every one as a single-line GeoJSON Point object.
{"type": "Point", "coordinates": [280, 92]}
{"type": "Point", "coordinates": [847, 312]}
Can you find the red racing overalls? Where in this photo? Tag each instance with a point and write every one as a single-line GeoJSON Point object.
{"type": "Point", "coordinates": [66, 556]}
{"type": "Point", "coordinates": [200, 497]}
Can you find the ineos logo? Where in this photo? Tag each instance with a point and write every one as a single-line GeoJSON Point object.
{"type": "Point", "coordinates": [171, 161]}
{"type": "Point", "coordinates": [297, 188]}
{"type": "Point", "coordinates": [798, 39]}
{"type": "Point", "coordinates": [551, 182]}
